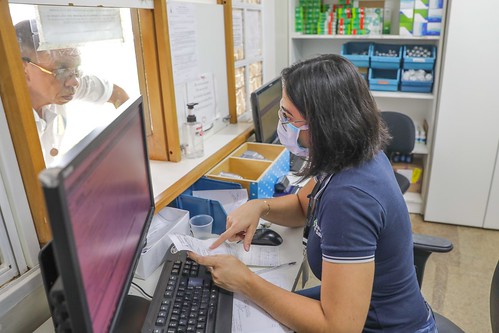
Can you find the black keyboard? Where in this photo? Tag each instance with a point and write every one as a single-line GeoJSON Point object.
{"type": "Point", "coordinates": [187, 300]}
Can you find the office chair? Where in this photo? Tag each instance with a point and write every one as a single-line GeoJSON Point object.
{"type": "Point", "coordinates": [494, 300]}
{"type": "Point", "coordinates": [401, 128]}
{"type": "Point", "coordinates": [403, 133]}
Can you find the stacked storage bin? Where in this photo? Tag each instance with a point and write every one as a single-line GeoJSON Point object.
{"type": "Point", "coordinates": [358, 54]}
{"type": "Point", "coordinates": [384, 72]}
{"type": "Point", "coordinates": [417, 69]}
{"type": "Point", "coordinates": [391, 67]}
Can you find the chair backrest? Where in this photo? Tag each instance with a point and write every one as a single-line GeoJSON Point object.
{"type": "Point", "coordinates": [402, 130]}
{"type": "Point", "coordinates": [494, 300]}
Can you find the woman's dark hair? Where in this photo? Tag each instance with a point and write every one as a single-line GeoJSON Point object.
{"type": "Point", "coordinates": [345, 125]}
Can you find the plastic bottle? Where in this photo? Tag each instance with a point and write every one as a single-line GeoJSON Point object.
{"type": "Point", "coordinates": [193, 131]}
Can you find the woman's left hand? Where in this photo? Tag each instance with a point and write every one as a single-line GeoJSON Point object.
{"type": "Point", "coordinates": [227, 271]}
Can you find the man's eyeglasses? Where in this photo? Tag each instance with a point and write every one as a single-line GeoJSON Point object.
{"type": "Point", "coordinates": [62, 74]}
{"type": "Point", "coordinates": [284, 119]}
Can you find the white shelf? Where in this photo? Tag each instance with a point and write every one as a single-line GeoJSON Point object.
{"type": "Point", "coordinates": [365, 37]}
{"type": "Point", "coordinates": [420, 148]}
{"type": "Point", "coordinates": [414, 202]}
{"type": "Point", "coordinates": [400, 94]}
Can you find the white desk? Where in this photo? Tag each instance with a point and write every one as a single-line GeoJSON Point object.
{"type": "Point", "coordinates": [290, 250]}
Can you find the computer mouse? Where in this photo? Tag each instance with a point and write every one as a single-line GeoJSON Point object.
{"type": "Point", "coordinates": [266, 236]}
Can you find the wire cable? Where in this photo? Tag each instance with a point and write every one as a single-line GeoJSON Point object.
{"type": "Point", "coordinates": [141, 290]}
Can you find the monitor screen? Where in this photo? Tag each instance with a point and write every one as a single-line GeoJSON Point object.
{"type": "Point", "coordinates": [100, 203]}
{"type": "Point", "coordinates": [265, 103]}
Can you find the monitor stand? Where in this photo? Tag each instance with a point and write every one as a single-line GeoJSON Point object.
{"type": "Point", "coordinates": [133, 314]}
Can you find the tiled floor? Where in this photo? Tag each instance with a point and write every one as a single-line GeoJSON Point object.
{"type": "Point", "coordinates": [457, 284]}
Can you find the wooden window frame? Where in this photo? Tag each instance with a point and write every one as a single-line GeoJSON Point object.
{"type": "Point", "coordinates": [153, 54]}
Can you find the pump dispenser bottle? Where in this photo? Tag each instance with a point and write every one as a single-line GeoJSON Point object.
{"type": "Point", "coordinates": [193, 131]}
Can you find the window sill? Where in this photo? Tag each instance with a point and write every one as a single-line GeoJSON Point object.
{"type": "Point", "coordinates": [170, 179]}
{"type": "Point", "coordinates": [25, 292]}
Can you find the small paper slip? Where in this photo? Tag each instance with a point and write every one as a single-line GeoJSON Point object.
{"type": "Point", "coordinates": [257, 255]}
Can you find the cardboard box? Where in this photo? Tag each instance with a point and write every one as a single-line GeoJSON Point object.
{"type": "Point", "coordinates": [413, 172]}
{"type": "Point", "coordinates": [257, 176]}
{"type": "Point", "coordinates": [406, 17]}
{"type": "Point", "coordinates": [406, 22]}
{"type": "Point", "coordinates": [168, 220]}
{"type": "Point", "coordinates": [372, 3]}
{"type": "Point", "coordinates": [432, 29]}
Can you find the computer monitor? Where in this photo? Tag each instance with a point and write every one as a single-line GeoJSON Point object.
{"type": "Point", "coordinates": [100, 203]}
{"type": "Point", "coordinates": [265, 104]}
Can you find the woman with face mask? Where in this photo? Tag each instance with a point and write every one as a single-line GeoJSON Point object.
{"type": "Point", "coordinates": [357, 227]}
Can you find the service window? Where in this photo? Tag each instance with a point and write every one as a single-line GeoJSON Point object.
{"type": "Point", "coordinates": [80, 66]}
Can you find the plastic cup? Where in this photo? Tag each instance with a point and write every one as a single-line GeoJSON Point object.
{"type": "Point", "coordinates": [201, 226]}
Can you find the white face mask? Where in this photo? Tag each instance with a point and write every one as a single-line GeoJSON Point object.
{"type": "Point", "coordinates": [289, 138]}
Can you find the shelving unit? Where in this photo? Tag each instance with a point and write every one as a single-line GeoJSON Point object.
{"type": "Point", "coordinates": [421, 107]}
{"type": "Point", "coordinates": [295, 35]}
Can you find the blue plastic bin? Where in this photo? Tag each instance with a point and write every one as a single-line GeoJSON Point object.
{"type": "Point", "coordinates": [384, 79]}
{"type": "Point", "coordinates": [353, 52]}
{"type": "Point", "coordinates": [385, 62]}
{"type": "Point", "coordinates": [197, 206]}
{"type": "Point", "coordinates": [417, 86]}
{"type": "Point", "coordinates": [425, 63]}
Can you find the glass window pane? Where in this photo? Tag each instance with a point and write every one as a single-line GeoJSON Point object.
{"type": "Point", "coordinates": [238, 32]}
{"type": "Point", "coordinates": [75, 86]}
{"type": "Point", "coordinates": [240, 90]}
{"type": "Point", "coordinates": [253, 35]}
{"type": "Point", "coordinates": [256, 76]}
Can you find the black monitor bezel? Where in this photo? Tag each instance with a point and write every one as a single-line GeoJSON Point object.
{"type": "Point", "coordinates": [257, 110]}
{"type": "Point", "coordinates": [63, 240]}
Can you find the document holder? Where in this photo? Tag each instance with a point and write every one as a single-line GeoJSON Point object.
{"type": "Point", "coordinates": [197, 206]}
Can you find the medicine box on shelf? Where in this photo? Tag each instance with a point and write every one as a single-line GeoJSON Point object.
{"type": "Point", "coordinates": [384, 79]}
{"type": "Point", "coordinates": [357, 53]}
{"type": "Point", "coordinates": [386, 56]}
{"type": "Point", "coordinates": [421, 86]}
{"type": "Point", "coordinates": [413, 172]}
{"type": "Point", "coordinates": [256, 175]}
{"type": "Point", "coordinates": [423, 57]}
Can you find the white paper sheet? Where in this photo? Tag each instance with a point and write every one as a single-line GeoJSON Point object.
{"type": "Point", "coordinates": [202, 91]}
{"type": "Point", "coordinates": [183, 40]}
{"type": "Point", "coordinates": [248, 317]}
{"type": "Point", "coordinates": [67, 27]}
{"type": "Point", "coordinates": [257, 256]}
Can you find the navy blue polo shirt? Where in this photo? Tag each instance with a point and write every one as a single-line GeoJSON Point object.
{"type": "Point", "coordinates": [361, 216]}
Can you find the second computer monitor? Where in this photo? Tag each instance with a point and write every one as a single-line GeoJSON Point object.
{"type": "Point", "coordinates": [265, 104]}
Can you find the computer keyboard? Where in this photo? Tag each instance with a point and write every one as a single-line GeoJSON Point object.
{"type": "Point", "coordinates": [187, 300]}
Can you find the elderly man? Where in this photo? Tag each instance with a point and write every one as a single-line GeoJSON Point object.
{"type": "Point", "coordinates": [53, 80]}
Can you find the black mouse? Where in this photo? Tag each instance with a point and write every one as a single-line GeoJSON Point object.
{"type": "Point", "coordinates": [266, 237]}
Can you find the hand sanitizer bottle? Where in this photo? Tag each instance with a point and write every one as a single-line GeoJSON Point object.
{"type": "Point", "coordinates": [193, 131]}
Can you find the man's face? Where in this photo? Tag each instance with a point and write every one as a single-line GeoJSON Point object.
{"type": "Point", "coordinates": [46, 88]}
